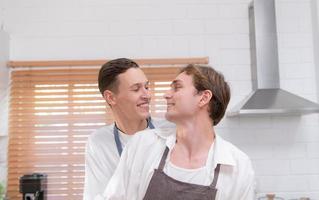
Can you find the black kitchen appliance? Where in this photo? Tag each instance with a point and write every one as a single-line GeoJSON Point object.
{"type": "Point", "coordinates": [34, 186]}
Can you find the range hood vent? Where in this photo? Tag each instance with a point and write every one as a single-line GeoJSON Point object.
{"type": "Point", "coordinates": [267, 98]}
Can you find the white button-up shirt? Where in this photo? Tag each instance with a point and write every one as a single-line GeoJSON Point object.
{"type": "Point", "coordinates": [143, 154]}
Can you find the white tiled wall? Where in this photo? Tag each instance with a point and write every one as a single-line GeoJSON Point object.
{"type": "Point", "coordinates": [284, 150]}
{"type": "Point", "coordinates": [315, 24]}
{"type": "Point", "coordinates": [4, 55]}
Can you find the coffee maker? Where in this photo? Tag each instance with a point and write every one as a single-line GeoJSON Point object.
{"type": "Point", "coordinates": [33, 186]}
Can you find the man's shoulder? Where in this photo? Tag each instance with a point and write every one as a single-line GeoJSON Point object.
{"type": "Point", "coordinates": [149, 136]}
{"type": "Point", "coordinates": [229, 154]}
{"type": "Point", "coordinates": [102, 134]}
{"type": "Point", "coordinates": [237, 153]}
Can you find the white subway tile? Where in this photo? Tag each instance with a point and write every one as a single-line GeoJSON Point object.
{"type": "Point", "coordinates": [235, 56]}
{"type": "Point", "coordinates": [62, 29]}
{"type": "Point", "coordinates": [165, 46]}
{"type": "Point", "coordinates": [62, 3]}
{"type": "Point", "coordinates": [152, 27]}
{"type": "Point", "coordinates": [274, 184]}
{"type": "Point", "coordinates": [124, 28]}
{"type": "Point", "coordinates": [291, 10]}
{"type": "Point", "coordinates": [114, 12]}
{"type": "Point", "coordinates": [188, 27]}
{"type": "Point", "coordinates": [306, 134]}
{"type": "Point", "coordinates": [289, 40]}
{"type": "Point", "coordinates": [231, 26]}
{"type": "Point", "coordinates": [180, 47]}
{"type": "Point", "coordinates": [60, 14]}
{"type": "Point", "coordinates": [51, 48]}
{"type": "Point", "coordinates": [284, 122]}
{"type": "Point", "coordinates": [237, 72]}
{"type": "Point", "coordinates": [289, 55]}
{"type": "Point", "coordinates": [233, 11]}
{"type": "Point", "coordinates": [258, 152]}
{"type": "Point", "coordinates": [271, 167]}
{"type": "Point", "coordinates": [297, 70]}
{"type": "Point", "coordinates": [310, 120]}
{"type": "Point", "coordinates": [197, 46]}
{"type": "Point", "coordinates": [314, 182]}
{"type": "Point", "coordinates": [203, 11]}
{"type": "Point", "coordinates": [290, 150]}
{"type": "Point", "coordinates": [313, 150]}
{"type": "Point", "coordinates": [306, 55]}
{"type": "Point", "coordinates": [124, 46]}
{"type": "Point", "coordinates": [240, 88]}
{"type": "Point", "coordinates": [273, 136]}
{"type": "Point", "coordinates": [22, 3]}
{"type": "Point", "coordinates": [241, 136]}
{"type": "Point", "coordinates": [304, 166]}
{"type": "Point", "coordinates": [233, 41]}
{"type": "Point", "coordinates": [257, 123]}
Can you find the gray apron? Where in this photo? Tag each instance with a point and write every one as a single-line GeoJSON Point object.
{"type": "Point", "coordinates": [163, 187]}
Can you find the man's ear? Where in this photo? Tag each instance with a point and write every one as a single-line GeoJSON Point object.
{"type": "Point", "coordinates": [206, 96]}
{"type": "Point", "coordinates": [109, 97]}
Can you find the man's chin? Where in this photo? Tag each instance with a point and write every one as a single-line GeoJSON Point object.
{"type": "Point", "coordinates": [144, 115]}
{"type": "Point", "coordinates": [169, 117]}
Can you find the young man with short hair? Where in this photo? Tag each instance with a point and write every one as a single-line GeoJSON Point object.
{"type": "Point", "coordinates": [125, 89]}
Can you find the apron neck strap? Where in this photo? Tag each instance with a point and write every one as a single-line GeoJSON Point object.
{"type": "Point", "coordinates": [117, 140]}
{"type": "Point", "coordinates": [149, 123]}
{"type": "Point", "coordinates": [216, 173]}
{"type": "Point", "coordinates": [117, 137]}
{"type": "Point", "coordinates": [162, 163]}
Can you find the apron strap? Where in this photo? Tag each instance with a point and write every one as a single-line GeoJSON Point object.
{"type": "Point", "coordinates": [149, 123]}
{"type": "Point", "coordinates": [117, 140]}
{"type": "Point", "coordinates": [162, 163]}
{"type": "Point", "coordinates": [117, 137]}
{"type": "Point", "coordinates": [216, 173]}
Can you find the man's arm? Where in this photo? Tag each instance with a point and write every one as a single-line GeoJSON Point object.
{"type": "Point", "coordinates": [249, 184]}
{"type": "Point", "coordinates": [97, 174]}
{"type": "Point", "coordinates": [118, 184]}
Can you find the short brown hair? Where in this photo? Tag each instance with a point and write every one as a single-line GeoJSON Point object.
{"type": "Point", "coordinates": [109, 72]}
{"type": "Point", "coordinates": [207, 78]}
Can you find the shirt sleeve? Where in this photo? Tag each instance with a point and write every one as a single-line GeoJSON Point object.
{"type": "Point", "coordinates": [97, 174]}
{"type": "Point", "coordinates": [249, 185]}
{"type": "Point", "coordinates": [118, 185]}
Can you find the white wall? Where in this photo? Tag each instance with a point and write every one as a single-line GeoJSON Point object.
{"type": "Point", "coordinates": [285, 150]}
{"type": "Point", "coordinates": [315, 24]}
{"type": "Point", "coordinates": [4, 82]}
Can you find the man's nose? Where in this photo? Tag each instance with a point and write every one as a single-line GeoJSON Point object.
{"type": "Point", "coordinates": [167, 94]}
{"type": "Point", "coordinates": [146, 93]}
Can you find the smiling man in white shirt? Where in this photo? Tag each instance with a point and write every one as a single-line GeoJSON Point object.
{"type": "Point", "coordinates": [191, 162]}
{"type": "Point", "coordinates": [125, 89]}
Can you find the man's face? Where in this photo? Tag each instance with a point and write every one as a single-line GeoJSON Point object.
{"type": "Point", "coordinates": [182, 99]}
{"type": "Point", "coordinates": [132, 97]}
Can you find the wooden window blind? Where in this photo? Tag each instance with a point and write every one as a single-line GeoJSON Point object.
{"type": "Point", "coordinates": [52, 112]}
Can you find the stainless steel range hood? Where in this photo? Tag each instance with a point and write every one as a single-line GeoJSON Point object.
{"type": "Point", "coordinates": [267, 97]}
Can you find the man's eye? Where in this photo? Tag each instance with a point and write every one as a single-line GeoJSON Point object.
{"type": "Point", "coordinates": [135, 89]}
{"type": "Point", "coordinates": [176, 87]}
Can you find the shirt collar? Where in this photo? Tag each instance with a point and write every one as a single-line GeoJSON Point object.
{"type": "Point", "coordinates": [223, 152]}
{"type": "Point", "coordinates": [222, 149]}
